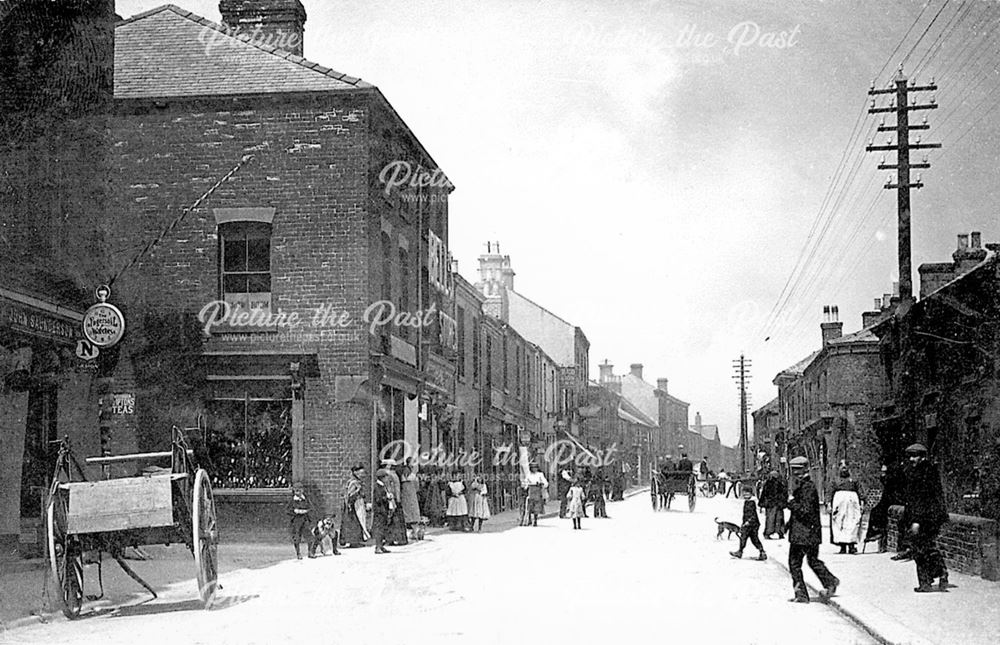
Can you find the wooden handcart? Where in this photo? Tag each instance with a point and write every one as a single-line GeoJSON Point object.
{"type": "Point", "coordinates": [109, 516]}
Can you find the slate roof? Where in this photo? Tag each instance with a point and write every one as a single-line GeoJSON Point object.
{"type": "Point", "coordinates": [169, 52]}
{"type": "Point", "coordinates": [862, 336]}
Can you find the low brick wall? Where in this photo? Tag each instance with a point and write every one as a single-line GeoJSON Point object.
{"type": "Point", "coordinates": [970, 544]}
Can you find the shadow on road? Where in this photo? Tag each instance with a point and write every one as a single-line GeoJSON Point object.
{"type": "Point", "coordinates": [151, 608]}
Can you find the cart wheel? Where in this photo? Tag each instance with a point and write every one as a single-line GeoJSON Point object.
{"type": "Point", "coordinates": [205, 537]}
{"type": "Point", "coordinates": [691, 502]}
{"type": "Point", "coordinates": [65, 557]}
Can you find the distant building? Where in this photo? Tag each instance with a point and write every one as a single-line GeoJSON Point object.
{"type": "Point", "coordinates": [564, 342]}
{"type": "Point", "coordinates": [768, 438]}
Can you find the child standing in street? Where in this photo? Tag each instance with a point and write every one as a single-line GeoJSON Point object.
{"type": "Point", "coordinates": [299, 520]}
{"type": "Point", "coordinates": [479, 505]}
{"type": "Point", "coordinates": [750, 527]}
{"type": "Point", "coordinates": [574, 509]}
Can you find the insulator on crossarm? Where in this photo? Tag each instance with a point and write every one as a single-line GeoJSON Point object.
{"type": "Point", "coordinates": [925, 158]}
{"type": "Point", "coordinates": [918, 138]}
{"type": "Point", "coordinates": [924, 121]}
{"type": "Point", "coordinates": [873, 84]}
{"type": "Point", "coordinates": [892, 103]}
{"type": "Point", "coordinates": [882, 160]}
{"type": "Point", "coordinates": [933, 100]}
{"type": "Point", "coordinates": [871, 141]}
{"type": "Point", "coordinates": [882, 122]}
{"type": "Point", "coordinates": [873, 104]}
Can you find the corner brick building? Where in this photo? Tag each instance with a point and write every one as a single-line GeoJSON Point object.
{"type": "Point", "coordinates": [308, 225]}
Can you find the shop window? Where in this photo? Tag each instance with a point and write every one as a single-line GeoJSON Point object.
{"type": "Point", "coordinates": [245, 258]}
{"type": "Point", "coordinates": [249, 442]}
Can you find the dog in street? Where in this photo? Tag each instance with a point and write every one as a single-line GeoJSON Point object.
{"type": "Point", "coordinates": [726, 526]}
{"type": "Point", "coordinates": [325, 537]}
{"type": "Point", "coordinates": [419, 528]}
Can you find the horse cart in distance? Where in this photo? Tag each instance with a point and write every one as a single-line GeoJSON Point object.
{"type": "Point", "coordinates": [665, 485]}
{"type": "Point", "coordinates": [108, 516]}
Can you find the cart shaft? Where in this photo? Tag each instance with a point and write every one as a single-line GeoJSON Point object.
{"type": "Point", "coordinates": [135, 457]}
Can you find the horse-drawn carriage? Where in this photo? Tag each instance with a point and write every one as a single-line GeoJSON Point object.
{"type": "Point", "coordinates": [111, 515]}
{"type": "Point", "coordinates": [665, 485]}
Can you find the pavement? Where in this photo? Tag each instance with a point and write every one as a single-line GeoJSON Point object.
{"type": "Point", "coordinates": [876, 593]}
{"type": "Point", "coordinates": [616, 578]}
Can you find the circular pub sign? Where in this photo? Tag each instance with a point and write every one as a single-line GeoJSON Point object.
{"type": "Point", "coordinates": [103, 324]}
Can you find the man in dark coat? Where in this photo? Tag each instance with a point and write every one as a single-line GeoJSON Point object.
{"type": "Point", "coordinates": [383, 506]}
{"type": "Point", "coordinates": [926, 512]}
{"type": "Point", "coordinates": [773, 499]}
{"type": "Point", "coordinates": [805, 535]}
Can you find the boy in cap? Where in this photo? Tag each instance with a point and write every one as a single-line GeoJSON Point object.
{"type": "Point", "coordinates": [926, 512]}
{"type": "Point", "coordinates": [750, 527]}
{"type": "Point", "coordinates": [805, 535]}
{"type": "Point", "coordinates": [299, 520]}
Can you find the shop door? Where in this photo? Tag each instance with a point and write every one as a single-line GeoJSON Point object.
{"type": "Point", "coordinates": [39, 449]}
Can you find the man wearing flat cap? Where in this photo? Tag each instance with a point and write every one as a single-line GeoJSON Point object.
{"type": "Point", "coordinates": [926, 513]}
{"type": "Point", "coordinates": [805, 535]}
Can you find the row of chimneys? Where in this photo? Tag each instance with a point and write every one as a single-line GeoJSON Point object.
{"type": "Point", "coordinates": [635, 369]}
{"type": "Point", "coordinates": [278, 23]}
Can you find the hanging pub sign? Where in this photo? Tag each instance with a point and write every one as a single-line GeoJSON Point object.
{"type": "Point", "coordinates": [103, 324]}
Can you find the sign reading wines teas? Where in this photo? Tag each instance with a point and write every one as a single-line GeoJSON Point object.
{"type": "Point", "coordinates": [103, 324]}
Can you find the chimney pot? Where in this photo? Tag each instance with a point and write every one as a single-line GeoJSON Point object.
{"type": "Point", "coordinates": [963, 241]}
{"type": "Point", "coordinates": [895, 288]}
{"type": "Point", "coordinates": [976, 239]}
{"type": "Point", "coordinates": [878, 303]}
{"type": "Point", "coordinates": [636, 370]}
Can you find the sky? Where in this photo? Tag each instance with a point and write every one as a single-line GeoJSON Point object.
{"type": "Point", "coordinates": [654, 168]}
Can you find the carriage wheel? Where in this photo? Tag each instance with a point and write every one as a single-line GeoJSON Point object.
{"type": "Point", "coordinates": [691, 501]}
{"type": "Point", "coordinates": [65, 557]}
{"type": "Point", "coordinates": [205, 537]}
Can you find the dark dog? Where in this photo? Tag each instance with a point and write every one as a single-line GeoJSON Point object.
{"type": "Point", "coordinates": [726, 526]}
{"type": "Point", "coordinates": [325, 537]}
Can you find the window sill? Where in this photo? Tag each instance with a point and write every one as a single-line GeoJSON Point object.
{"type": "Point", "coordinates": [256, 495]}
{"type": "Point", "coordinates": [241, 329]}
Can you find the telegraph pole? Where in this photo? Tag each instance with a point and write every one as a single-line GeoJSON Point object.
{"type": "Point", "coordinates": [902, 104]}
{"type": "Point", "coordinates": [742, 374]}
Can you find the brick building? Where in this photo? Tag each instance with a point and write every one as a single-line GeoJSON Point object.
{"type": "Point", "coordinates": [55, 99]}
{"type": "Point", "coordinates": [672, 414]}
{"type": "Point", "coordinates": [939, 360]}
{"type": "Point", "coordinates": [825, 404]}
{"type": "Point", "coordinates": [768, 438]}
{"type": "Point", "coordinates": [311, 227]}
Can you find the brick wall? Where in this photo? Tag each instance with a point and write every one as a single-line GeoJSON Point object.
{"type": "Point", "coordinates": [311, 165]}
{"type": "Point", "coordinates": [970, 545]}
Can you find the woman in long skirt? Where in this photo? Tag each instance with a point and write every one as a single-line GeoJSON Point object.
{"type": "Point", "coordinates": [845, 519]}
{"type": "Point", "coordinates": [353, 517]}
{"type": "Point", "coordinates": [433, 500]}
{"type": "Point", "coordinates": [479, 509]}
{"type": "Point", "coordinates": [458, 506]}
{"type": "Point", "coordinates": [408, 486]}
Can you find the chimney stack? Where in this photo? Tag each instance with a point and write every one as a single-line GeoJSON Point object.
{"type": "Point", "coordinates": [275, 23]}
{"type": "Point", "coordinates": [831, 327]}
{"type": "Point", "coordinates": [661, 385]}
{"type": "Point", "coordinates": [636, 370]}
{"type": "Point", "coordinates": [967, 256]}
{"type": "Point", "coordinates": [607, 371]}
{"type": "Point", "coordinates": [963, 241]}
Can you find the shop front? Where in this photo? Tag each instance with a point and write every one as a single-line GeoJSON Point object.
{"type": "Point", "coordinates": [46, 394]}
